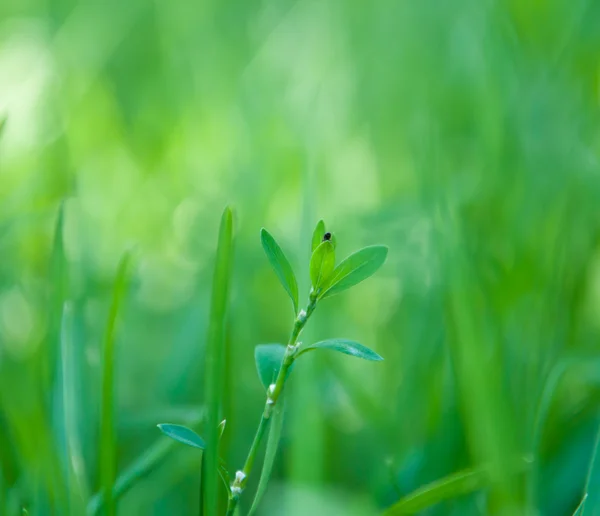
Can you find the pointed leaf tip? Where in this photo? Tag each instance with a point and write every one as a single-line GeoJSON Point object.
{"type": "Point", "coordinates": [281, 266]}
{"type": "Point", "coordinates": [318, 233]}
{"type": "Point", "coordinates": [348, 347]}
{"type": "Point", "coordinates": [182, 434]}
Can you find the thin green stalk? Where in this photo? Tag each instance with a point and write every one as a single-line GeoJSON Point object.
{"type": "Point", "coordinates": [108, 457]}
{"type": "Point", "coordinates": [273, 395]}
{"type": "Point", "coordinates": [214, 360]}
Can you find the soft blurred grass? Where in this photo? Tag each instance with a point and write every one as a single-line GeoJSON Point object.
{"type": "Point", "coordinates": [462, 134]}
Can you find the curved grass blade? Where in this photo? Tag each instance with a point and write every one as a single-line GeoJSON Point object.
{"type": "Point", "coordinates": [182, 434]}
{"type": "Point", "coordinates": [322, 263]}
{"type": "Point", "coordinates": [281, 266]}
{"type": "Point", "coordinates": [270, 453]}
{"type": "Point", "coordinates": [317, 237]}
{"type": "Point", "coordinates": [581, 506]}
{"type": "Point", "coordinates": [457, 484]}
{"type": "Point", "coordinates": [214, 377]}
{"type": "Point", "coordinates": [268, 359]}
{"type": "Point", "coordinates": [348, 347]}
{"type": "Point", "coordinates": [107, 431]}
{"type": "Point", "coordinates": [354, 269]}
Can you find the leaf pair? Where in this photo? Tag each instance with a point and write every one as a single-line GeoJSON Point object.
{"type": "Point", "coordinates": [326, 279]}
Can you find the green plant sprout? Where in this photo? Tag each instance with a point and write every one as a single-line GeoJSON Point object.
{"type": "Point", "coordinates": [274, 362]}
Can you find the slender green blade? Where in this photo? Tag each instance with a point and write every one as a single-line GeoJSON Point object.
{"type": "Point", "coordinates": [182, 434]}
{"type": "Point", "coordinates": [268, 359]}
{"type": "Point", "coordinates": [107, 431]}
{"type": "Point", "coordinates": [270, 454]}
{"type": "Point", "coordinates": [581, 506]}
{"type": "Point", "coordinates": [348, 347]}
{"type": "Point", "coordinates": [78, 488]}
{"type": "Point", "coordinates": [281, 266]}
{"type": "Point", "coordinates": [354, 269]}
{"type": "Point", "coordinates": [214, 361]}
{"type": "Point", "coordinates": [318, 233]}
{"type": "Point", "coordinates": [322, 263]}
{"type": "Point", "coordinates": [457, 484]}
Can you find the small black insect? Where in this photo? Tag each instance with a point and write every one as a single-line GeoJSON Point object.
{"type": "Point", "coordinates": [327, 236]}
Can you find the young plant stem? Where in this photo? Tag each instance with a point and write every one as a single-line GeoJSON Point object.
{"type": "Point", "coordinates": [273, 395]}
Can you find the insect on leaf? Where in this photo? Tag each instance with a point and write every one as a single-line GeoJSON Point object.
{"type": "Point", "coordinates": [348, 347]}
{"type": "Point", "coordinates": [183, 434]}
{"type": "Point", "coordinates": [354, 269]}
{"type": "Point", "coordinates": [281, 266]}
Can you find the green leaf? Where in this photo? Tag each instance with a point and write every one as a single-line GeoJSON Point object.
{"type": "Point", "coordinates": [108, 452]}
{"type": "Point", "coordinates": [348, 347]}
{"type": "Point", "coordinates": [214, 361]}
{"type": "Point", "coordinates": [457, 484]}
{"type": "Point", "coordinates": [182, 434]}
{"type": "Point", "coordinates": [222, 428]}
{"type": "Point", "coordinates": [322, 263]}
{"type": "Point", "coordinates": [318, 233]}
{"type": "Point", "coordinates": [591, 497]}
{"type": "Point", "coordinates": [281, 266]}
{"type": "Point", "coordinates": [270, 453]}
{"type": "Point", "coordinates": [354, 269]}
{"type": "Point", "coordinates": [268, 358]}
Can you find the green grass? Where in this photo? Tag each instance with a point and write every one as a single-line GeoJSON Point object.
{"type": "Point", "coordinates": [463, 135]}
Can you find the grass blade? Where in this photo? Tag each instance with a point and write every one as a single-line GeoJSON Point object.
{"type": "Point", "coordinates": [281, 266]}
{"type": "Point", "coordinates": [581, 506]}
{"type": "Point", "coordinates": [214, 361]}
{"type": "Point", "coordinates": [457, 484]}
{"type": "Point", "coordinates": [348, 347]}
{"type": "Point", "coordinates": [107, 431]}
{"type": "Point", "coordinates": [354, 269]}
{"type": "Point", "coordinates": [78, 488]}
{"type": "Point", "coordinates": [270, 453]}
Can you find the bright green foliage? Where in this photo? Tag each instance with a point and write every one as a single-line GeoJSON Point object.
{"type": "Point", "coordinates": [281, 266]}
{"type": "Point", "coordinates": [322, 263]}
{"type": "Point", "coordinates": [354, 269]}
{"type": "Point", "coordinates": [348, 347]}
{"type": "Point", "coordinates": [183, 434]}
{"type": "Point", "coordinates": [317, 237]}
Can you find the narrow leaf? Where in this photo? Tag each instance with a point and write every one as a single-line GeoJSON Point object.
{"type": "Point", "coordinates": [591, 498]}
{"type": "Point", "coordinates": [581, 506]}
{"type": "Point", "coordinates": [348, 347]}
{"type": "Point", "coordinates": [107, 432]}
{"type": "Point", "coordinates": [457, 484]}
{"type": "Point", "coordinates": [281, 266]}
{"type": "Point", "coordinates": [322, 263]}
{"type": "Point", "coordinates": [182, 434]}
{"type": "Point", "coordinates": [268, 358]}
{"type": "Point", "coordinates": [354, 269]}
{"type": "Point", "coordinates": [222, 428]}
{"type": "Point", "coordinates": [214, 362]}
{"type": "Point", "coordinates": [317, 237]}
{"type": "Point", "coordinates": [270, 453]}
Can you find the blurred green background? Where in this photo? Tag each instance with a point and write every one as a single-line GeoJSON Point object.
{"type": "Point", "coordinates": [462, 134]}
